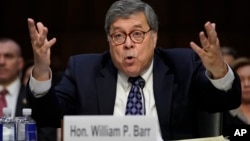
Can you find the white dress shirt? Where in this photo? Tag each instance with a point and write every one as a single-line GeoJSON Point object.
{"type": "Point", "coordinates": [12, 95]}
{"type": "Point", "coordinates": [123, 87]}
{"type": "Point", "coordinates": [122, 92]}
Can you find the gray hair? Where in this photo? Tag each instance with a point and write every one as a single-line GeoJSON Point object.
{"type": "Point", "coordinates": [125, 8]}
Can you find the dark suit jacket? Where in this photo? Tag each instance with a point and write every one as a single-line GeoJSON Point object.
{"type": "Point", "coordinates": [21, 101]}
{"type": "Point", "coordinates": [180, 87]}
{"type": "Point", "coordinates": [231, 123]}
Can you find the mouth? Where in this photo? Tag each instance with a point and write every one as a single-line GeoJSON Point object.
{"type": "Point", "coordinates": [129, 59]}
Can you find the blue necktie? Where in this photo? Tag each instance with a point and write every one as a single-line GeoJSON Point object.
{"type": "Point", "coordinates": [135, 102]}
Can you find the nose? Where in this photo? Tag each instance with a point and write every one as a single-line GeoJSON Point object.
{"type": "Point", "coordinates": [246, 82]}
{"type": "Point", "coordinates": [128, 43]}
{"type": "Point", "coordinates": [2, 60]}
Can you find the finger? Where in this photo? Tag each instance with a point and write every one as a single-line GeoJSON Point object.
{"type": "Point", "coordinates": [43, 31]}
{"type": "Point", "coordinates": [197, 49]}
{"type": "Point", "coordinates": [214, 25]}
{"type": "Point", "coordinates": [48, 44]}
{"type": "Point", "coordinates": [212, 34]}
{"type": "Point", "coordinates": [204, 41]}
{"type": "Point", "coordinates": [51, 42]}
{"type": "Point", "coordinates": [32, 29]}
{"type": "Point", "coordinates": [40, 27]}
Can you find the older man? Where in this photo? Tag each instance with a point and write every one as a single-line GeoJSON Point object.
{"type": "Point", "coordinates": [167, 84]}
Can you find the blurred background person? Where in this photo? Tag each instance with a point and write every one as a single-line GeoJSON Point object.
{"type": "Point", "coordinates": [12, 83]}
{"type": "Point", "coordinates": [11, 65]}
{"type": "Point", "coordinates": [240, 116]}
{"type": "Point", "coordinates": [229, 54]}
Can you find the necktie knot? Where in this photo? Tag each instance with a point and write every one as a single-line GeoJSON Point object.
{"type": "Point", "coordinates": [3, 92]}
{"type": "Point", "coordinates": [138, 81]}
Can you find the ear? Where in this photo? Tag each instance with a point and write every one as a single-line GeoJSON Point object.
{"type": "Point", "coordinates": [20, 63]}
{"type": "Point", "coordinates": [155, 37]}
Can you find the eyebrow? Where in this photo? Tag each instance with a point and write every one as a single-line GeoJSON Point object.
{"type": "Point", "coordinates": [134, 26]}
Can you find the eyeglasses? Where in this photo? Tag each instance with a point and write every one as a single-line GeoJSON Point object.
{"type": "Point", "coordinates": [136, 36]}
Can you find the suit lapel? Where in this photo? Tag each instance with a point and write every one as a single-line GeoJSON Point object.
{"type": "Point", "coordinates": [163, 81]}
{"type": "Point", "coordinates": [106, 88]}
{"type": "Point", "coordinates": [21, 101]}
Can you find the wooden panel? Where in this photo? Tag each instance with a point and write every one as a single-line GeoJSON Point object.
{"type": "Point", "coordinates": [78, 24]}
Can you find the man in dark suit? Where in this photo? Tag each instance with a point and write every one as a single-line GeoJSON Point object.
{"type": "Point", "coordinates": [11, 64]}
{"type": "Point", "coordinates": [177, 81]}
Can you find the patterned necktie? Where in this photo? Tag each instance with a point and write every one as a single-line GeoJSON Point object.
{"type": "Point", "coordinates": [135, 98]}
{"type": "Point", "coordinates": [3, 102]}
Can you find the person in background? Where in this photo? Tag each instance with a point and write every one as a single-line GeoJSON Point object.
{"type": "Point", "coordinates": [238, 117]}
{"type": "Point", "coordinates": [174, 81]}
{"type": "Point", "coordinates": [11, 65]}
{"type": "Point", "coordinates": [229, 54]}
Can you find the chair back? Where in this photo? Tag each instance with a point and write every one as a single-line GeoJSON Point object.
{"type": "Point", "coordinates": [209, 124]}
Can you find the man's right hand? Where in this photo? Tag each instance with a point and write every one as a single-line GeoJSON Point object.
{"type": "Point", "coordinates": [41, 50]}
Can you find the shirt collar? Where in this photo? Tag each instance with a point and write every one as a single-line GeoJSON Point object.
{"type": "Point", "coordinates": [14, 87]}
{"type": "Point", "coordinates": [237, 113]}
{"type": "Point", "coordinates": [234, 112]}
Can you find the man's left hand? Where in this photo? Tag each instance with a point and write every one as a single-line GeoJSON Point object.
{"type": "Point", "coordinates": [210, 52]}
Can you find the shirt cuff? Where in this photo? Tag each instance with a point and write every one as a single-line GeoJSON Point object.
{"type": "Point", "coordinates": [39, 88]}
{"type": "Point", "coordinates": [224, 83]}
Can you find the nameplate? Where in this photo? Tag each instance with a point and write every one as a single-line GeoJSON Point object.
{"type": "Point", "coordinates": [109, 128]}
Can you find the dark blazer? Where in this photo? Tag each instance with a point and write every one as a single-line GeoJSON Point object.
{"type": "Point", "coordinates": [231, 123]}
{"type": "Point", "coordinates": [21, 101]}
{"type": "Point", "coordinates": [180, 87]}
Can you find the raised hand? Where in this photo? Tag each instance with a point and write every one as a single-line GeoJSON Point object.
{"type": "Point", "coordinates": [41, 49]}
{"type": "Point", "coordinates": [210, 52]}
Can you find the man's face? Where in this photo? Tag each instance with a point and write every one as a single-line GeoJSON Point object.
{"type": "Point", "coordinates": [130, 57]}
{"type": "Point", "coordinates": [11, 62]}
{"type": "Point", "coordinates": [244, 73]}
